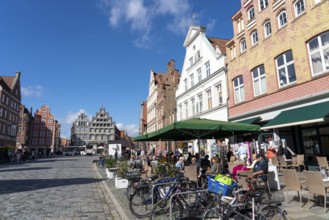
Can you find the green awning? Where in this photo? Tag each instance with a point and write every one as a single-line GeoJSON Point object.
{"type": "Point", "coordinates": [250, 120]}
{"type": "Point", "coordinates": [299, 116]}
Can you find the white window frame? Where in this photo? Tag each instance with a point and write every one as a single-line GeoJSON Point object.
{"type": "Point", "coordinates": [207, 66]}
{"type": "Point", "coordinates": [321, 49]}
{"type": "Point", "coordinates": [263, 4]}
{"type": "Point", "coordinates": [180, 111]}
{"type": "Point", "coordinates": [192, 80]}
{"type": "Point", "coordinates": [209, 99]}
{"type": "Point", "coordinates": [199, 107]}
{"type": "Point", "coordinates": [282, 19]}
{"type": "Point", "coordinates": [240, 25]}
{"type": "Point", "coordinates": [219, 92]}
{"type": "Point", "coordinates": [257, 80]}
{"type": "Point", "coordinates": [193, 105]}
{"type": "Point", "coordinates": [300, 7]}
{"type": "Point", "coordinates": [41, 141]}
{"type": "Point", "coordinates": [199, 74]}
{"type": "Point", "coordinates": [285, 66]}
{"type": "Point", "coordinates": [238, 89]}
{"type": "Point", "coordinates": [267, 29]}
{"type": "Point", "coordinates": [254, 38]}
{"type": "Point", "coordinates": [191, 61]}
{"type": "Point", "coordinates": [233, 52]}
{"type": "Point", "coordinates": [251, 13]}
{"type": "Point", "coordinates": [243, 45]}
{"type": "Point", "coordinates": [185, 84]}
{"type": "Point", "coordinates": [186, 109]}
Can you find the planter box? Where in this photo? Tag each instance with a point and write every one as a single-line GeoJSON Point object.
{"type": "Point", "coordinates": [110, 175]}
{"type": "Point", "coordinates": [121, 183]}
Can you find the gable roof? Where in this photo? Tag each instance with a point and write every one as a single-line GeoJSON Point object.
{"type": "Point", "coordinates": [9, 80]}
{"type": "Point", "coordinates": [220, 43]}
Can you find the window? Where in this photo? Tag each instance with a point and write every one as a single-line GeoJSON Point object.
{"type": "Point", "coordinates": [197, 56]}
{"type": "Point", "coordinates": [192, 79]}
{"type": "Point", "coordinates": [286, 68]}
{"type": "Point", "coordinates": [251, 13]}
{"type": "Point", "coordinates": [267, 29]}
{"type": "Point", "coordinates": [199, 106]}
{"type": "Point", "coordinates": [50, 121]}
{"type": "Point", "coordinates": [3, 98]}
{"type": "Point", "coordinates": [317, 1]}
{"type": "Point", "coordinates": [49, 133]}
{"type": "Point", "coordinates": [42, 133]}
{"type": "Point", "coordinates": [243, 46]}
{"type": "Point", "coordinates": [282, 19]}
{"type": "Point", "coordinates": [35, 134]}
{"type": "Point", "coordinates": [44, 115]}
{"type": "Point", "coordinates": [199, 75]}
{"type": "Point", "coordinates": [219, 94]}
{"type": "Point", "coordinates": [186, 109]}
{"type": "Point", "coordinates": [50, 128]}
{"type": "Point", "coordinates": [238, 89]}
{"type": "Point", "coordinates": [191, 61]}
{"type": "Point", "coordinates": [233, 52]}
{"type": "Point", "coordinates": [35, 142]}
{"type": "Point", "coordinates": [263, 4]}
{"type": "Point", "coordinates": [319, 53]}
{"type": "Point", "coordinates": [41, 141]}
{"type": "Point", "coordinates": [209, 99]}
{"type": "Point", "coordinates": [180, 112]}
{"type": "Point", "coordinates": [207, 65]}
{"type": "Point", "coordinates": [259, 80]}
{"type": "Point", "coordinates": [185, 84]}
{"type": "Point", "coordinates": [254, 38]}
{"type": "Point", "coordinates": [1, 112]}
{"type": "Point", "coordinates": [299, 7]}
{"type": "Point", "coordinates": [193, 106]}
{"type": "Point", "coordinates": [48, 141]}
{"type": "Point", "coordinates": [240, 25]}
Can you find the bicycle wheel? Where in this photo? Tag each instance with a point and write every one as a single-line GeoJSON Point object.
{"type": "Point", "coordinates": [161, 210]}
{"type": "Point", "coordinates": [133, 185]}
{"type": "Point", "coordinates": [274, 212]}
{"type": "Point", "coordinates": [214, 214]}
{"type": "Point", "coordinates": [140, 203]}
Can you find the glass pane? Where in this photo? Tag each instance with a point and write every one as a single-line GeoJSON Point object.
{"type": "Point", "coordinates": [291, 73]}
{"type": "Point", "coordinates": [255, 73]}
{"type": "Point", "coordinates": [325, 39]}
{"type": "Point", "coordinates": [326, 58]}
{"type": "Point", "coordinates": [282, 76]}
{"type": "Point", "coordinates": [236, 95]}
{"type": "Point", "coordinates": [242, 93]}
{"type": "Point", "coordinates": [316, 63]}
{"type": "Point", "coordinates": [256, 87]}
{"type": "Point", "coordinates": [313, 44]}
{"type": "Point", "coordinates": [241, 80]}
{"type": "Point", "coordinates": [289, 56]}
{"type": "Point", "coordinates": [261, 70]}
{"type": "Point", "coordinates": [280, 60]}
{"type": "Point", "coordinates": [263, 85]}
{"type": "Point", "coordinates": [235, 82]}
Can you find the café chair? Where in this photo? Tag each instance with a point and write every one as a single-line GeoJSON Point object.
{"type": "Point", "coordinates": [283, 163]}
{"type": "Point", "coordinates": [292, 183]}
{"type": "Point", "coordinates": [315, 185]}
{"type": "Point", "coordinates": [323, 162]}
{"type": "Point", "coordinates": [299, 162]}
{"type": "Point", "coordinates": [191, 173]}
{"type": "Point", "coordinates": [242, 176]}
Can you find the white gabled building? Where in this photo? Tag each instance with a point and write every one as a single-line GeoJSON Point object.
{"type": "Point", "coordinates": [151, 104]}
{"type": "Point", "coordinates": [202, 91]}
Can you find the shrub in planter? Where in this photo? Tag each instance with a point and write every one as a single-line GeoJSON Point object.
{"type": "Point", "coordinates": [122, 168]}
{"type": "Point", "coordinates": [110, 162]}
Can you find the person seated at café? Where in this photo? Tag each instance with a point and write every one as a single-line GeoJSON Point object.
{"type": "Point", "coordinates": [215, 167]}
{"type": "Point", "coordinates": [239, 166]}
{"type": "Point", "coordinates": [260, 169]}
{"type": "Point", "coordinates": [180, 165]}
{"type": "Point", "coordinates": [205, 163]}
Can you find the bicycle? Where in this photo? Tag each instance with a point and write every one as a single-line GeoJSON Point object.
{"type": "Point", "coordinates": [180, 205]}
{"type": "Point", "coordinates": [231, 208]}
{"type": "Point", "coordinates": [142, 200]}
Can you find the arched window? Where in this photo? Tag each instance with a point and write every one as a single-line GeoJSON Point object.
{"type": "Point", "coordinates": [254, 38]}
{"type": "Point", "coordinates": [318, 48]}
{"type": "Point", "coordinates": [299, 7]}
{"type": "Point", "coordinates": [238, 89]}
{"type": "Point", "coordinates": [259, 80]}
{"type": "Point", "coordinates": [243, 45]}
{"type": "Point", "coordinates": [282, 19]}
{"type": "Point", "coordinates": [251, 13]}
{"type": "Point", "coordinates": [267, 29]}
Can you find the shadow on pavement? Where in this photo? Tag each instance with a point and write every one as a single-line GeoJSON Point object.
{"type": "Point", "coordinates": [24, 169]}
{"type": "Point", "coordinates": [22, 185]}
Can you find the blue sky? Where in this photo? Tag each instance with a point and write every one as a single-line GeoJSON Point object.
{"type": "Point", "coordinates": [78, 55]}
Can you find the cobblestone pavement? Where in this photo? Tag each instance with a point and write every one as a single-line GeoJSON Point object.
{"type": "Point", "coordinates": [54, 188]}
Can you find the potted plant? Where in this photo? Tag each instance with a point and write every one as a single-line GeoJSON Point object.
{"type": "Point", "coordinates": [110, 163]}
{"type": "Point", "coordinates": [120, 181]}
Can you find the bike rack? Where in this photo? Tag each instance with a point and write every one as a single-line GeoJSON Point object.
{"type": "Point", "coordinates": [160, 184]}
{"type": "Point", "coordinates": [182, 193]}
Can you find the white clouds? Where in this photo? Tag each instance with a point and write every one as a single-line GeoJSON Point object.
{"type": "Point", "coordinates": [142, 14]}
{"type": "Point", "coordinates": [132, 129]}
{"type": "Point", "coordinates": [32, 91]}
